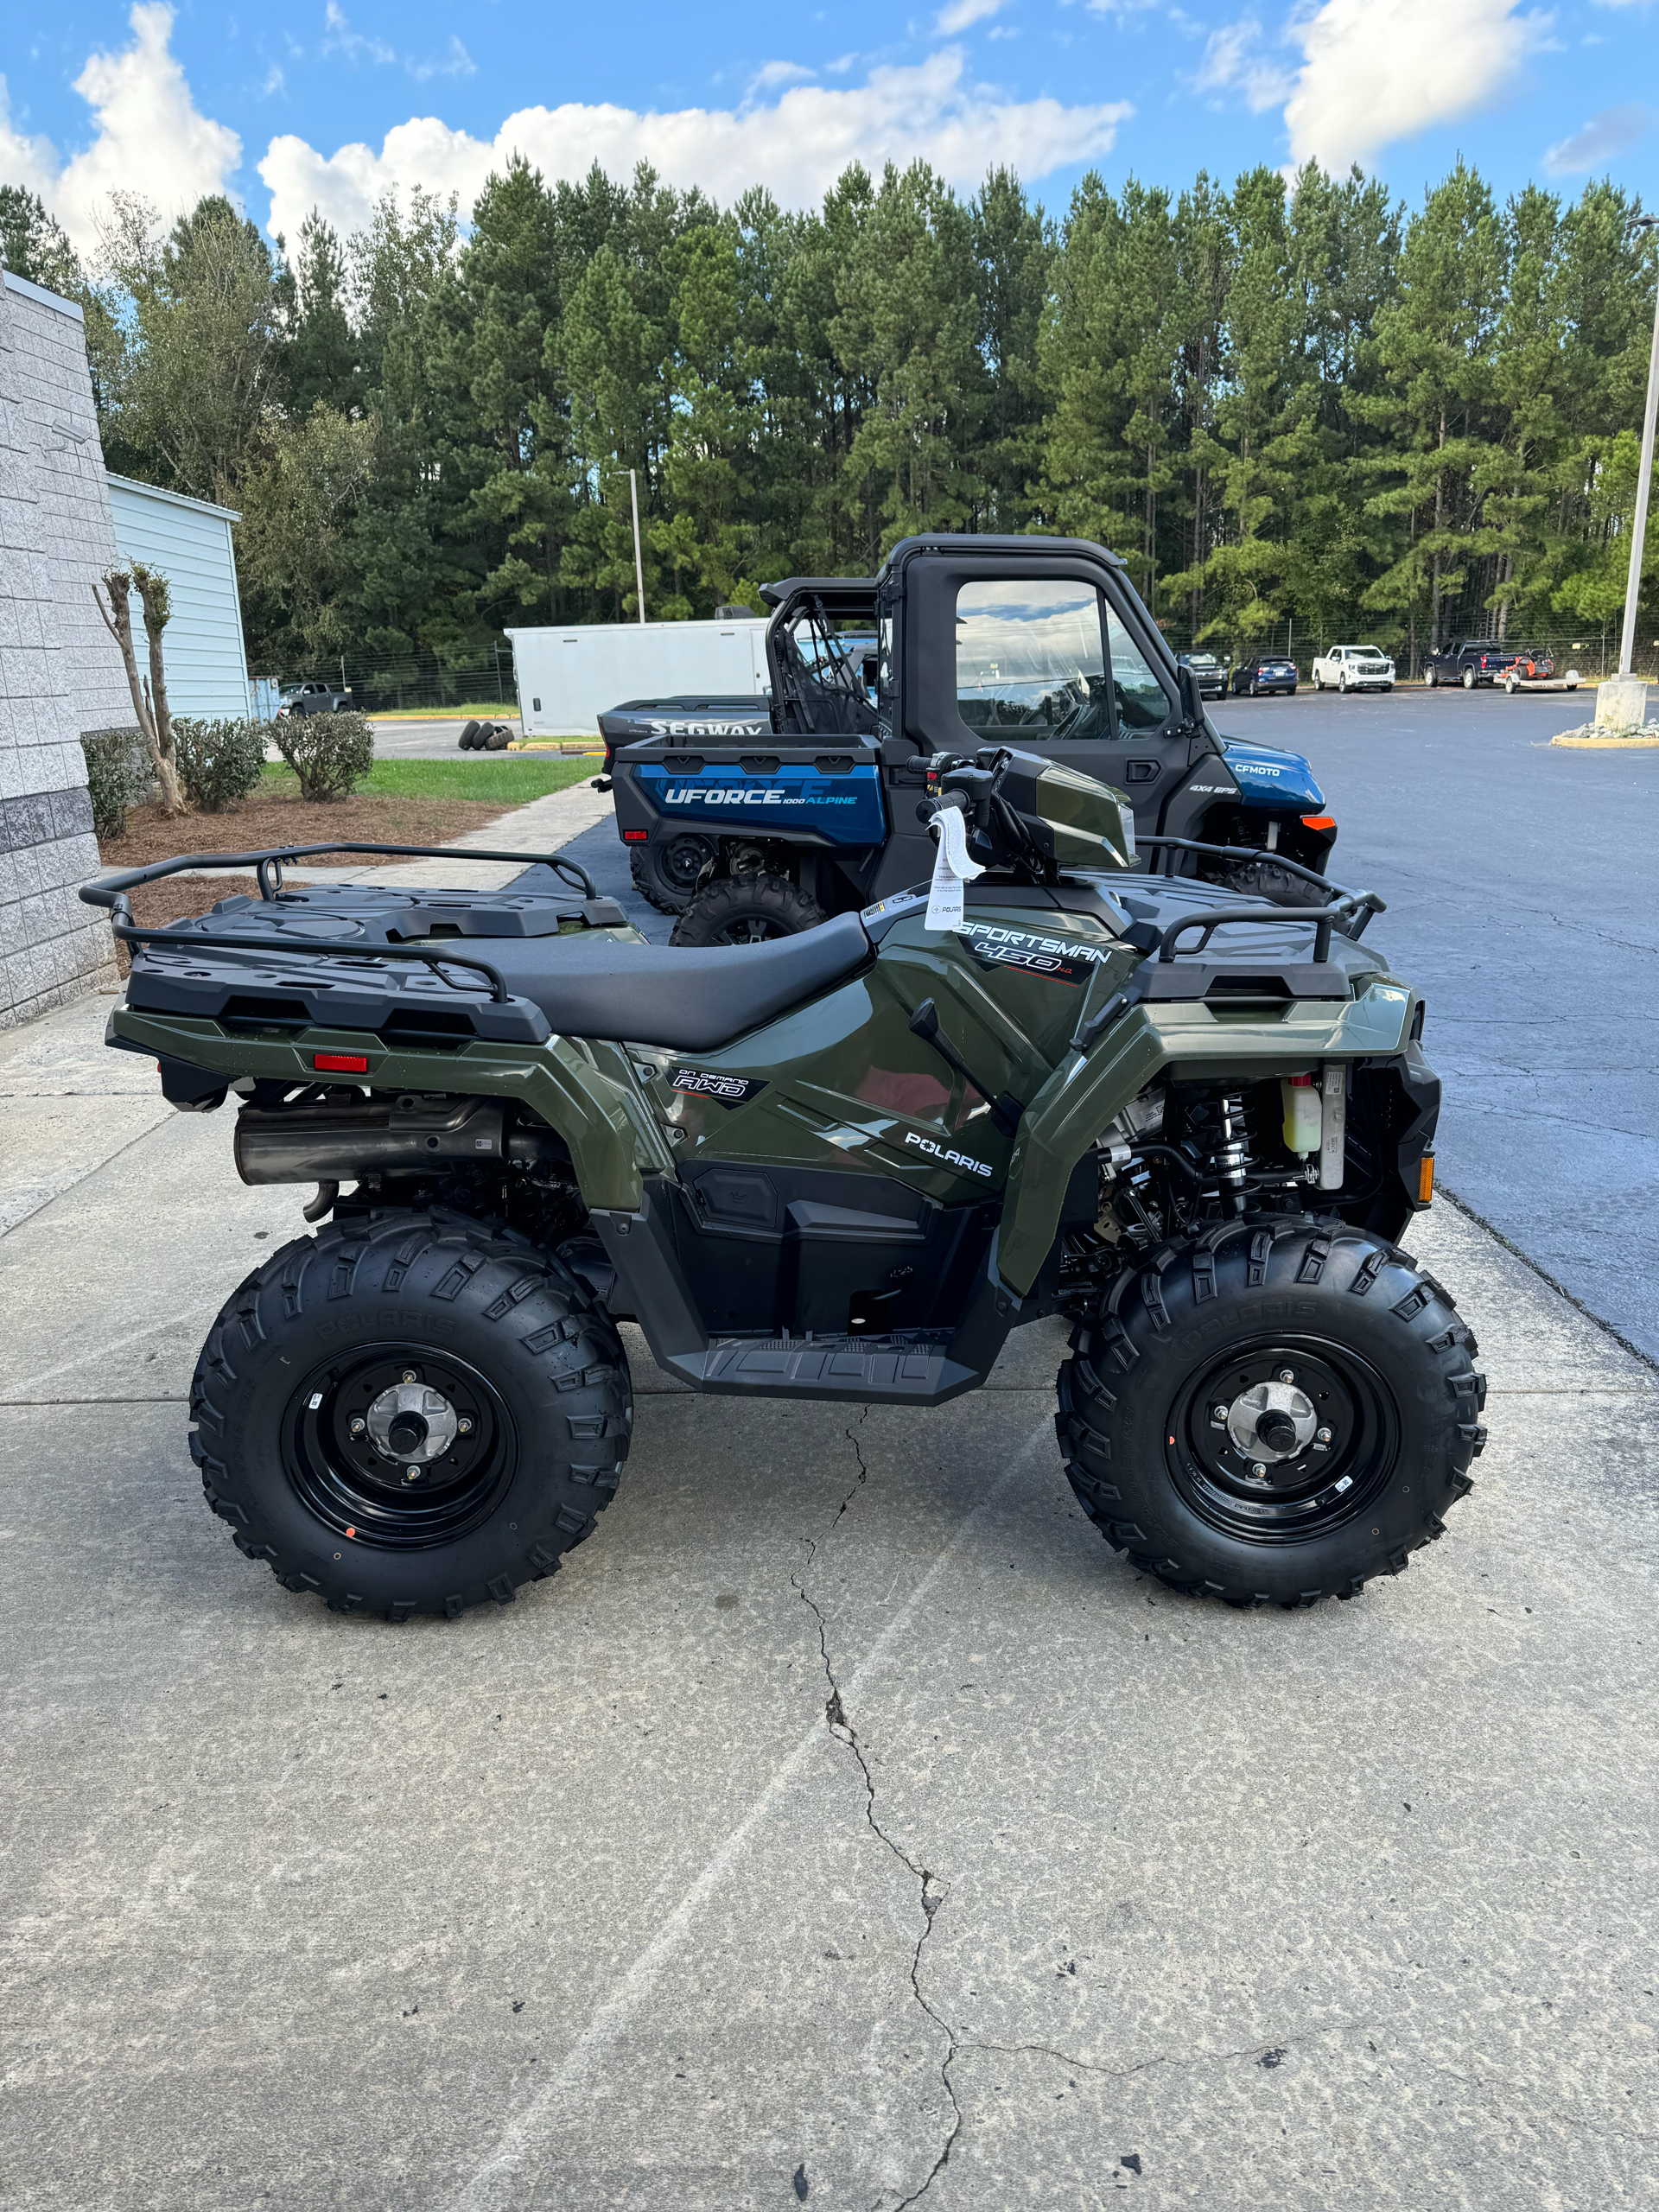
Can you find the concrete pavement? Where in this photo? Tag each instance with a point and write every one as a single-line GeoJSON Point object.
{"type": "Point", "coordinates": [844, 1819]}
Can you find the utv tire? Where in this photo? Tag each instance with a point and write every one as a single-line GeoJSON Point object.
{"type": "Point", "coordinates": [497, 737]}
{"type": "Point", "coordinates": [746, 910]}
{"type": "Point", "coordinates": [1261, 879]}
{"type": "Point", "coordinates": [1385, 1365]}
{"type": "Point", "coordinates": [468, 737]}
{"type": "Point", "coordinates": [516, 1420]}
{"type": "Point", "coordinates": [665, 870]}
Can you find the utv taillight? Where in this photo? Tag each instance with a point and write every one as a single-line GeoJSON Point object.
{"type": "Point", "coordinates": [635, 836]}
{"type": "Point", "coordinates": [340, 1063]}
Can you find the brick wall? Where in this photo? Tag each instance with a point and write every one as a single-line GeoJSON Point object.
{"type": "Point", "coordinates": [60, 672]}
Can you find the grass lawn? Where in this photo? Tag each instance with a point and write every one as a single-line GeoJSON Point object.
{"type": "Point", "coordinates": [503, 779]}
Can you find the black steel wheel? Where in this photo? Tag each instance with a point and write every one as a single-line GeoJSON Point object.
{"type": "Point", "coordinates": [410, 1414]}
{"type": "Point", "coordinates": [746, 910]}
{"type": "Point", "coordinates": [665, 870]}
{"type": "Point", "coordinates": [1273, 1412]}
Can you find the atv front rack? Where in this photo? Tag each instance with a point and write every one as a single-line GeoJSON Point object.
{"type": "Point", "coordinates": [1348, 910]}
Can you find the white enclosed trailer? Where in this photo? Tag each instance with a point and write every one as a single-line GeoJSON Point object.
{"type": "Point", "coordinates": [567, 678]}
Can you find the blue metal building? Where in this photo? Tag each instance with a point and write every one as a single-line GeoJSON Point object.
{"type": "Point", "coordinates": [189, 541]}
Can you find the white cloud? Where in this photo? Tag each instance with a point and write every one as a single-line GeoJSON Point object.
{"type": "Point", "coordinates": [354, 45]}
{"type": "Point", "coordinates": [151, 137]}
{"type": "Point", "coordinates": [960, 13]}
{"type": "Point", "coordinates": [796, 145]}
{"type": "Point", "coordinates": [772, 76]}
{"type": "Point", "coordinates": [1233, 60]}
{"type": "Point", "coordinates": [1611, 132]}
{"type": "Point", "coordinates": [456, 63]}
{"type": "Point", "coordinates": [1374, 71]}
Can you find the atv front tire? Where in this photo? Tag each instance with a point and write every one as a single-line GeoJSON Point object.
{"type": "Point", "coordinates": [1192, 1452]}
{"type": "Point", "coordinates": [746, 910]}
{"type": "Point", "coordinates": [410, 1414]}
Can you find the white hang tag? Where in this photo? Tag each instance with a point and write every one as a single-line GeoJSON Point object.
{"type": "Point", "coordinates": [952, 868]}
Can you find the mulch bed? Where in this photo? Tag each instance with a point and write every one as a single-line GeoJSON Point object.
{"type": "Point", "coordinates": [151, 836]}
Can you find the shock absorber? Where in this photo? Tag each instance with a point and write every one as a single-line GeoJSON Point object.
{"type": "Point", "coordinates": [1222, 1129]}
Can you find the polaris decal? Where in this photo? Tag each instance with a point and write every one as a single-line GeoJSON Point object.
{"type": "Point", "coordinates": [948, 1159]}
{"type": "Point", "coordinates": [709, 1083]}
{"type": "Point", "coordinates": [844, 810]}
{"type": "Point", "coordinates": [1058, 960]}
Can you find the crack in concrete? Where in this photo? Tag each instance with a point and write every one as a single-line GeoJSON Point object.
{"type": "Point", "coordinates": [932, 1897]}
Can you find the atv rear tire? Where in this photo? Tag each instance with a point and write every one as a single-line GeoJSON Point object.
{"type": "Point", "coordinates": [1192, 1333]}
{"type": "Point", "coordinates": [746, 910]}
{"type": "Point", "coordinates": [665, 870]}
{"type": "Point", "coordinates": [497, 1387]}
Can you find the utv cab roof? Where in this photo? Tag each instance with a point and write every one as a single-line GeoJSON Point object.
{"type": "Point", "coordinates": [840, 594]}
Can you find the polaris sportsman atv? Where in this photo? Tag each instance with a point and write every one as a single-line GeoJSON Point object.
{"type": "Point", "coordinates": [842, 1165]}
{"type": "Point", "coordinates": [753, 819]}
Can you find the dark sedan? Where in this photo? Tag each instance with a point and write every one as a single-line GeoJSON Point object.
{"type": "Point", "coordinates": [1272, 672]}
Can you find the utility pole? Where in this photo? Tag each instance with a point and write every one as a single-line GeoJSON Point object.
{"type": "Point", "coordinates": [639, 566]}
{"type": "Point", "coordinates": [1644, 485]}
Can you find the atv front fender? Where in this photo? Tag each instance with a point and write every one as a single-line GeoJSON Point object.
{"type": "Point", "coordinates": [1197, 1044]}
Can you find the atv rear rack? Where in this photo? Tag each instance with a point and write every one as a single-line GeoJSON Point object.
{"type": "Point", "coordinates": [269, 866]}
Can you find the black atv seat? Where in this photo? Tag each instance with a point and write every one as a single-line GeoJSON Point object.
{"type": "Point", "coordinates": [691, 1002]}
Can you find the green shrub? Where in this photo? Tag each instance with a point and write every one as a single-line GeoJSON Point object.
{"type": "Point", "coordinates": [118, 777]}
{"type": "Point", "coordinates": [219, 762]}
{"type": "Point", "coordinates": [329, 753]}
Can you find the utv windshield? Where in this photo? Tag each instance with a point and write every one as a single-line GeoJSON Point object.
{"type": "Point", "coordinates": [1034, 657]}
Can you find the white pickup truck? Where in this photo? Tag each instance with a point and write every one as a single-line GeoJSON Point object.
{"type": "Point", "coordinates": [1353, 668]}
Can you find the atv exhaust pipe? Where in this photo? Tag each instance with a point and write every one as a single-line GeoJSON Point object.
{"type": "Point", "coordinates": [342, 1144]}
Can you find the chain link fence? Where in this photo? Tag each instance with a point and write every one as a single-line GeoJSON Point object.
{"type": "Point", "coordinates": [479, 679]}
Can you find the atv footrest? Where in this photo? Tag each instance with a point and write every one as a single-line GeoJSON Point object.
{"type": "Point", "coordinates": [914, 1368]}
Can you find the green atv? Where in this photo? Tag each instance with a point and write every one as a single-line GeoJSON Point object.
{"type": "Point", "coordinates": [842, 1165]}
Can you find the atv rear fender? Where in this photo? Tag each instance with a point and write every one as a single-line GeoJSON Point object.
{"type": "Point", "coordinates": [582, 1091]}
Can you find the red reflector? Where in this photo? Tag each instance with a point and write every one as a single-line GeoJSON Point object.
{"type": "Point", "coordinates": [340, 1063]}
{"type": "Point", "coordinates": [635, 836]}
{"type": "Point", "coordinates": [1319, 822]}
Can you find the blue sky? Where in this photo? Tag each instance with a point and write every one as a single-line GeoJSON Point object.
{"type": "Point", "coordinates": [299, 103]}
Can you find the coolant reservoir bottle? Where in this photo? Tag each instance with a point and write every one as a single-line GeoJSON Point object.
{"type": "Point", "coordinates": [1301, 1112]}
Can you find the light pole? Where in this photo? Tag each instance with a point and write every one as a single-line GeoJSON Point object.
{"type": "Point", "coordinates": [639, 566]}
{"type": "Point", "coordinates": [1644, 485]}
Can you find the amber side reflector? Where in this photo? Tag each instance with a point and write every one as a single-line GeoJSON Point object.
{"type": "Point", "coordinates": [1319, 822]}
{"type": "Point", "coordinates": [635, 836]}
{"type": "Point", "coordinates": [340, 1063]}
{"type": "Point", "coordinates": [1425, 1178]}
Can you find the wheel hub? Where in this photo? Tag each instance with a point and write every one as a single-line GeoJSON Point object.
{"type": "Point", "coordinates": [398, 1445]}
{"type": "Point", "coordinates": [1280, 1440]}
{"type": "Point", "coordinates": [411, 1422]}
{"type": "Point", "coordinates": [1272, 1421]}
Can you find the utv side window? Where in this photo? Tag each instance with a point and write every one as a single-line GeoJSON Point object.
{"type": "Point", "coordinates": [1030, 658]}
{"type": "Point", "coordinates": [1144, 707]}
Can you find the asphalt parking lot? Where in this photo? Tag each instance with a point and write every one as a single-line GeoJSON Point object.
{"type": "Point", "coordinates": [845, 1823]}
{"type": "Point", "coordinates": [1523, 882]}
